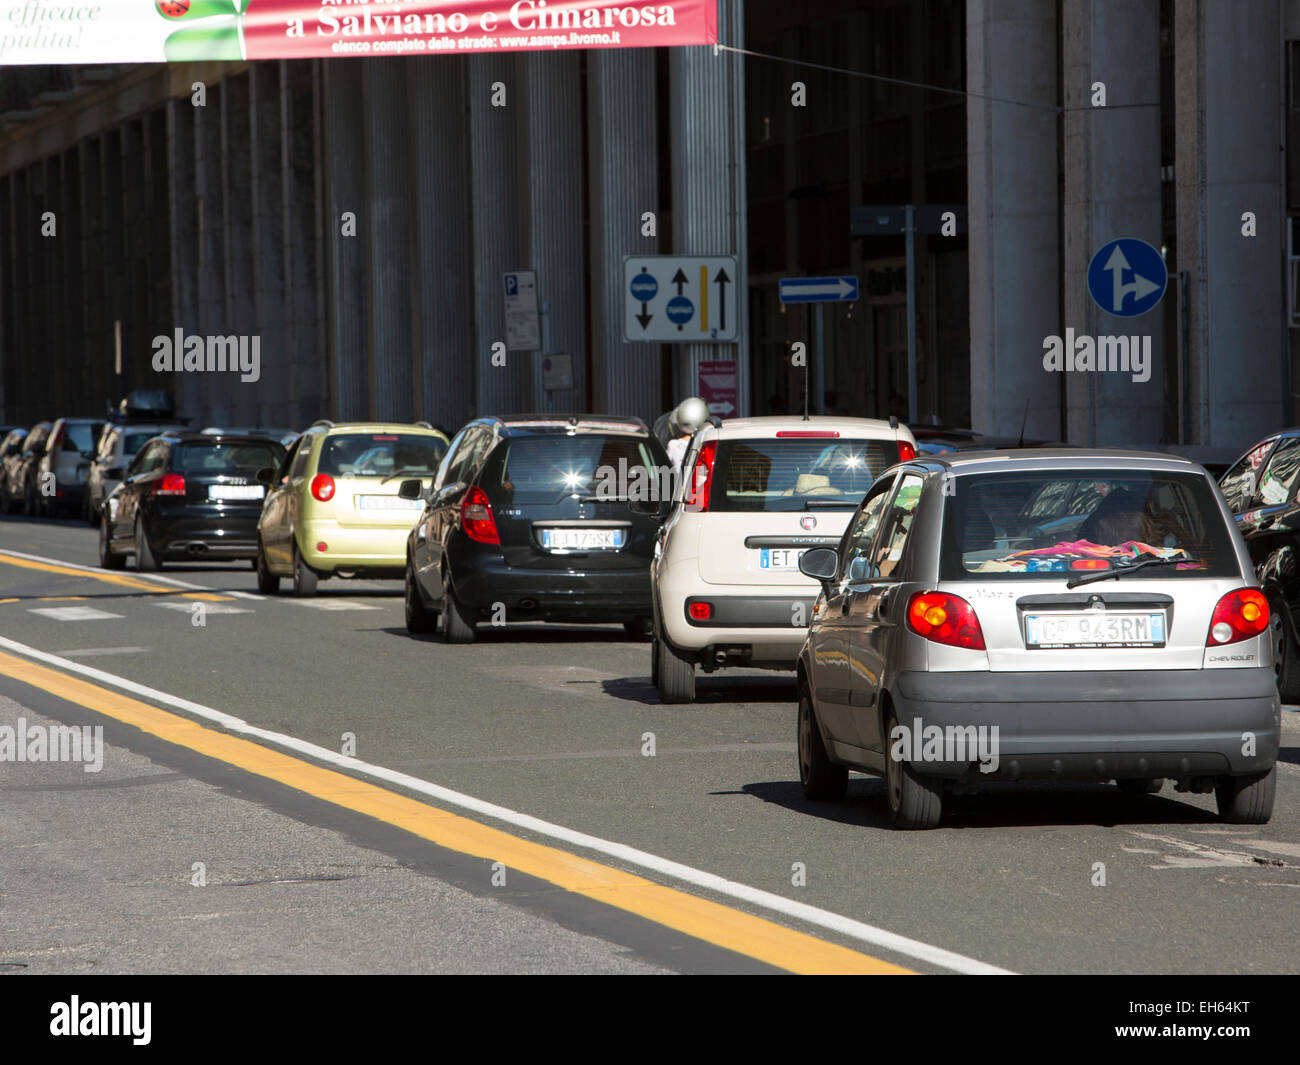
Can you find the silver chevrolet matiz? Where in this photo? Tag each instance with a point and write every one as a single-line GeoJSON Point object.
{"type": "Point", "coordinates": [1039, 615]}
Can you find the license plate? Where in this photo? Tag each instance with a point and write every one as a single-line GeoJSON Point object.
{"type": "Point", "coordinates": [582, 539]}
{"type": "Point", "coordinates": [1095, 629]}
{"type": "Point", "coordinates": [388, 503]}
{"type": "Point", "coordinates": [780, 558]}
{"type": "Point", "coordinates": [235, 491]}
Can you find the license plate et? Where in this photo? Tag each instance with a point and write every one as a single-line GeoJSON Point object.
{"type": "Point", "coordinates": [1094, 629]}
{"type": "Point", "coordinates": [393, 502]}
{"type": "Point", "coordinates": [582, 539]}
{"type": "Point", "coordinates": [236, 491]}
{"type": "Point", "coordinates": [780, 558]}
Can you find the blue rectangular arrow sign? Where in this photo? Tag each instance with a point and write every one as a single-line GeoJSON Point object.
{"type": "Point", "coordinates": [818, 289]}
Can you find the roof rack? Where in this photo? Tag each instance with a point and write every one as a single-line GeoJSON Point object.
{"type": "Point", "coordinates": [324, 423]}
{"type": "Point", "coordinates": [423, 424]}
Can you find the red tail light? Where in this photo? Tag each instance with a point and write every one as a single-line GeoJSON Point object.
{"type": "Point", "coordinates": [170, 484]}
{"type": "Point", "coordinates": [946, 619]}
{"type": "Point", "coordinates": [697, 492]}
{"type": "Point", "coordinates": [1239, 615]}
{"type": "Point", "coordinates": [476, 517]}
{"type": "Point", "coordinates": [322, 487]}
{"type": "Point", "coordinates": [700, 611]}
{"type": "Point", "coordinates": [906, 452]}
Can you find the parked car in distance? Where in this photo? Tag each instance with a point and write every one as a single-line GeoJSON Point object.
{"type": "Point", "coordinates": [528, 519]}
{"type": "Point", "coordinates": [333, 509]}
{"type": "Point", "coordinates": [118, 446]}
{"type": "Point", "coordinates": [11, 449]}
{"type": "Point", "coordinates": [1261, 491]}
{"type": "Point", "coordinates": [21, 471]}
{"type": "Point", "coordinates": [187, 496]}
{"type": "Point", "coordinates": [1074, 615]}
{"type": "Point", "coordinates": [758, 492]}
{"type": "Point", "coordinates": [65, 465]}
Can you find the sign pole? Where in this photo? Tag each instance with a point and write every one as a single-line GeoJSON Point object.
{"type": "Point", "coordinates": [909, 225]}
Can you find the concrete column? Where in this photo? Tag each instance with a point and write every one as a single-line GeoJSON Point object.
{"type": "Point", "coordinates": [1228, 93]}
{"type": "Point", "coordinates": [345, 193]}
{"type": "Point", "coordinates": [706, 101]}
{"type": "Point", "coordinates": [1014, 242]}
{"type": "Point", "coordinates": [499, 220]}
{"type": "Point", "coordinates": [624, 183]}
{"type": "Point", "coordinates": [270, 298]}
{"type": "Point", "coordinates": [184, 209]}
{"type": "Point", "coordinates": [550, 182]}
{"type": "Point", "coordinates": [1112, 189]}
{"type": "Point", "coordinates": [113, 252]}
{"type": "Point", "coordinates": [239, 318]}
{"type": "Point", "coordinates": [386, 149]}
{"type": "Point", "coordinates": [444, 284]}
{"type": "Point", "coordinates": [200, 402]}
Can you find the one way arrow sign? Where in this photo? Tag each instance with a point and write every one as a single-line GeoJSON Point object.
{"type": "Point", "coordinates": [818, 289]}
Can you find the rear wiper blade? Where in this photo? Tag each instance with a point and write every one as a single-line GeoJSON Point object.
{"type": "Point", "coordinates": [422, 470]}
{"type": "Point", "coordinates": [844, 504]}
{"type": "Point", "coordinates": [1119, 571]}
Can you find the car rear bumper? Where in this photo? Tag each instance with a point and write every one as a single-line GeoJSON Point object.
{"type": "Point", "coordinates": [354, 547]}
{"type": "Point", "coordinates": [1099, 725]}
{"type": "Point", "coordinates": [480, 583]}
{"type": "Point", "coordinates": [203, 536]}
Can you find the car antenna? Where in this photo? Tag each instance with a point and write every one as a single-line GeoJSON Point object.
{"type": "Point", "coordinates": [1023, 422]}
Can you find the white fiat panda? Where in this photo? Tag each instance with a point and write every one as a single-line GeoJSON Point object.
{"type": "Point", "coordinates": [755, 494]}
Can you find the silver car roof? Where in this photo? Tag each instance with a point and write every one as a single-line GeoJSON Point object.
{"type": "Point", "coordinates": [1011, 460]}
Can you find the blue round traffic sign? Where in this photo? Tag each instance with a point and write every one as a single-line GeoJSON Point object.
{"type": "Point", "coordinates": [644, 287]}
{"type": "Point", "coordinates": [679, 310]}
{"type": "Point", "coordinates": [1127, 277]}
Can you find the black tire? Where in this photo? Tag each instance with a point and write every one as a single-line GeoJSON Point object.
{"type": "Point", "coordinates": [639, 628]}
{"type": "Point", "coordinates": [108, 558]}
{"type": "Point", "coordinates": [267, 582]}
{"type": "Point", "coordinates": [420, 620]}
{"type": "Point", "coordinates": [654, 660]}
{"type": "Point", "coordinates": [1141, 785]}
{"type": "Point", "coordinates": [1286, 656]}
{"type": "Point", "coordinates": [676, 680]}
{"type": "Point", "coordinates": [1246, 800]}
{"type": "Point", "coordinates": [457, 624]}
{"type": "Point", "coordinates": [304, 577]}
{"type": "Point", "coordinates": [915, 800]}
{"type": "Point", "coordinates": [145, 562]}
{"type": "Point", "coordinates": [821, 778]}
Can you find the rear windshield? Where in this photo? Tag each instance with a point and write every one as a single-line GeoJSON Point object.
{"type": "Point", "coordinates": [381, 455]}
{"type": "Point", "coordinates": [80, 436]}
{"type": "Point", "coordinates": [768, 474]}
{"type": "Point", "coordinates": [1016, 526]}
{"type": "Point", "coordinates": [545, 469]}
{"type": "Point", "coordinates": [230, 460]}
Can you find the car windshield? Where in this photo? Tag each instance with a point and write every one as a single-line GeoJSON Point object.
{"type": "Point", "coordinates": [1018, 526]}
{"type": "Point", "coordinates": [381, 454]}
{"type": "Point", "coordinates": [775, 474]}
{"type": "Point", "coordinates": [546, 468]}
{"type": "Point", "coordinates": [227, 460]}
{"type": "Point", "coordinates": [80, 436]}
{"type": "Point", "coordinates": [133, 442]}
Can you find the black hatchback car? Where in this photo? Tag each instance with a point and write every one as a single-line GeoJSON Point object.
{"type": "Point", "coordinates": [1261, 491]}
{"type": "Point", "coordinates": [528, 519]}
{"type": "Point", "coordinates": [187, 496]}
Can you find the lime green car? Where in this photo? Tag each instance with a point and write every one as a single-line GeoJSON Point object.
{"type": "Point", "coordinates": [332, 508]}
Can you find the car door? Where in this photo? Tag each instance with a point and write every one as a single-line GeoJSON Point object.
{"type": "Point", "coordinates": [126, 505]}
{"type": "Point", "coordinates": [279, 510]}
{"type": "Point", "coordinates": [441, 517]}
{"type": "Point", "coordinates": [829, 659]}
{"type": "Point", "coordinates": [875, 609]}
{"type": "Point", "coordinates": [1271, 522]}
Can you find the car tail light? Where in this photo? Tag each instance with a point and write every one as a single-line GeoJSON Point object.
{"type": "Point", "coordinates": [906, 452]}
{"type": "Point", "coordinates": [322, 487]}
{"type": "Point", "coordinates": [697, 492]}
{"type": "Point", "coordinates": [1239, 615]}
{"type": "Point", "coordinates": [946, 619]}
{"type": "Point", "coordinates": [170, 484]}
{"type": "Point", "coordinates": [476, 517]}
{"type": "Point", "coordinates": [700, 611]}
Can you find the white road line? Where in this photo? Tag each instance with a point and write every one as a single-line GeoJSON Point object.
{"type": "Point", "coordinates": [332, 604]}
{"type": "Point", "coordinates": [188, 606]}
{"type": "Point", "coordinates": [94, 652]}
{"type": "Point", "coordinates": [73, 613]}
{"type": "Point", "coordinates": [800, 911]}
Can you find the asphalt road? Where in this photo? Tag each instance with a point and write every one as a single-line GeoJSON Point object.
{"type": "Point", "coordinates": [555, 722]}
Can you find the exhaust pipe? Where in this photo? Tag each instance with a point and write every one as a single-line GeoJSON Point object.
{"type": "Point", "coordinates": [196, 550]}
{"type": "Point", "coordinates": [720, 657]}
{"type": "Point", "coordinates": [528, 603]}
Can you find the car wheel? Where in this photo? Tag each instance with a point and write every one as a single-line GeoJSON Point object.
{"type": "Point", "coordinates": [654, 660]}
{"type": "Point", "coordinates": [915, 801]}
{"type": "Point", "coordinates": [676, 681]}
{"type": "Point", "coordinates": [419, 618]}
{"type": "Point", "coordinates": [457, 626]}
{"type": "Point", "coordinates": [1141, 785]}
{"type": "Point", "coordinates": [639, 628]}
{"type": "Point", "coordinates": [108, 558]}
{"type": "Point", "coordinates": [304, 577]}
{"type": "Point", "coordinates": [1286, 657]}
{"type": "Point", "coordinates": [145, 562]}
{"type": "Point", "coordinates": [267, 582]}
{"type": "Point", "coordinates": [821, 778]}
{"type": "Point", "coordinates": [1246, 800]}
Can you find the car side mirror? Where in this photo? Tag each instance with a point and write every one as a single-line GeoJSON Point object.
{"type": "Point", "coordinates": [266, 476]}
{"type": "Point", "coordinates": [446, 492]}
{"type": "Point", "coordinates": [821, 563]}
{"type": "Point", "coordinates": [411, 489]}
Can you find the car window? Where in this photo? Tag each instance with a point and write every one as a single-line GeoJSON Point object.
{"type": "Point", "coordinates": [227, 459]}
{"type": "Point", "coordinates": [380, 454]}
{"type": "Point", "coordinates": [1278, 481]}
{"type": "Point", "coordinates": [454, 461]}
{"type": "Point", "coordinates": [782, 474]}
{"type": "Point", "coordinates": [548, 467]}
{"type": "Point", "coordinates": [855, 562]}
{"type": "Point", "coordinates": [147, 460]}
{"type": "Point", "coordinates": [1240, 483]}
{"type": "Point", "coordinates": [78, 436]}
{"type": "Point", "coordinates": [897, 525]}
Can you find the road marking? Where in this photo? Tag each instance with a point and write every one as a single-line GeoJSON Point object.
{"type": "Point", "coordinates": [72, 569]}
{"type": "Point", "coordinates": [463, 834]}
{"type": "Point", "coordinates": [59, 598]}
{"type": "Point", "coordinates": [214, 608]}
{"type": "Point", "coordinates": [332, 604]}
{"type": "Point", "coordinates": [95, 652]}
{"type": "Point", "coordinates": [73, 613]}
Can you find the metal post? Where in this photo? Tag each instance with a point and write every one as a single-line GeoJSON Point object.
{"type": "Point", "coordinates": [819, 342]}
{"type": "Point", "coordinates": [909, 227]}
